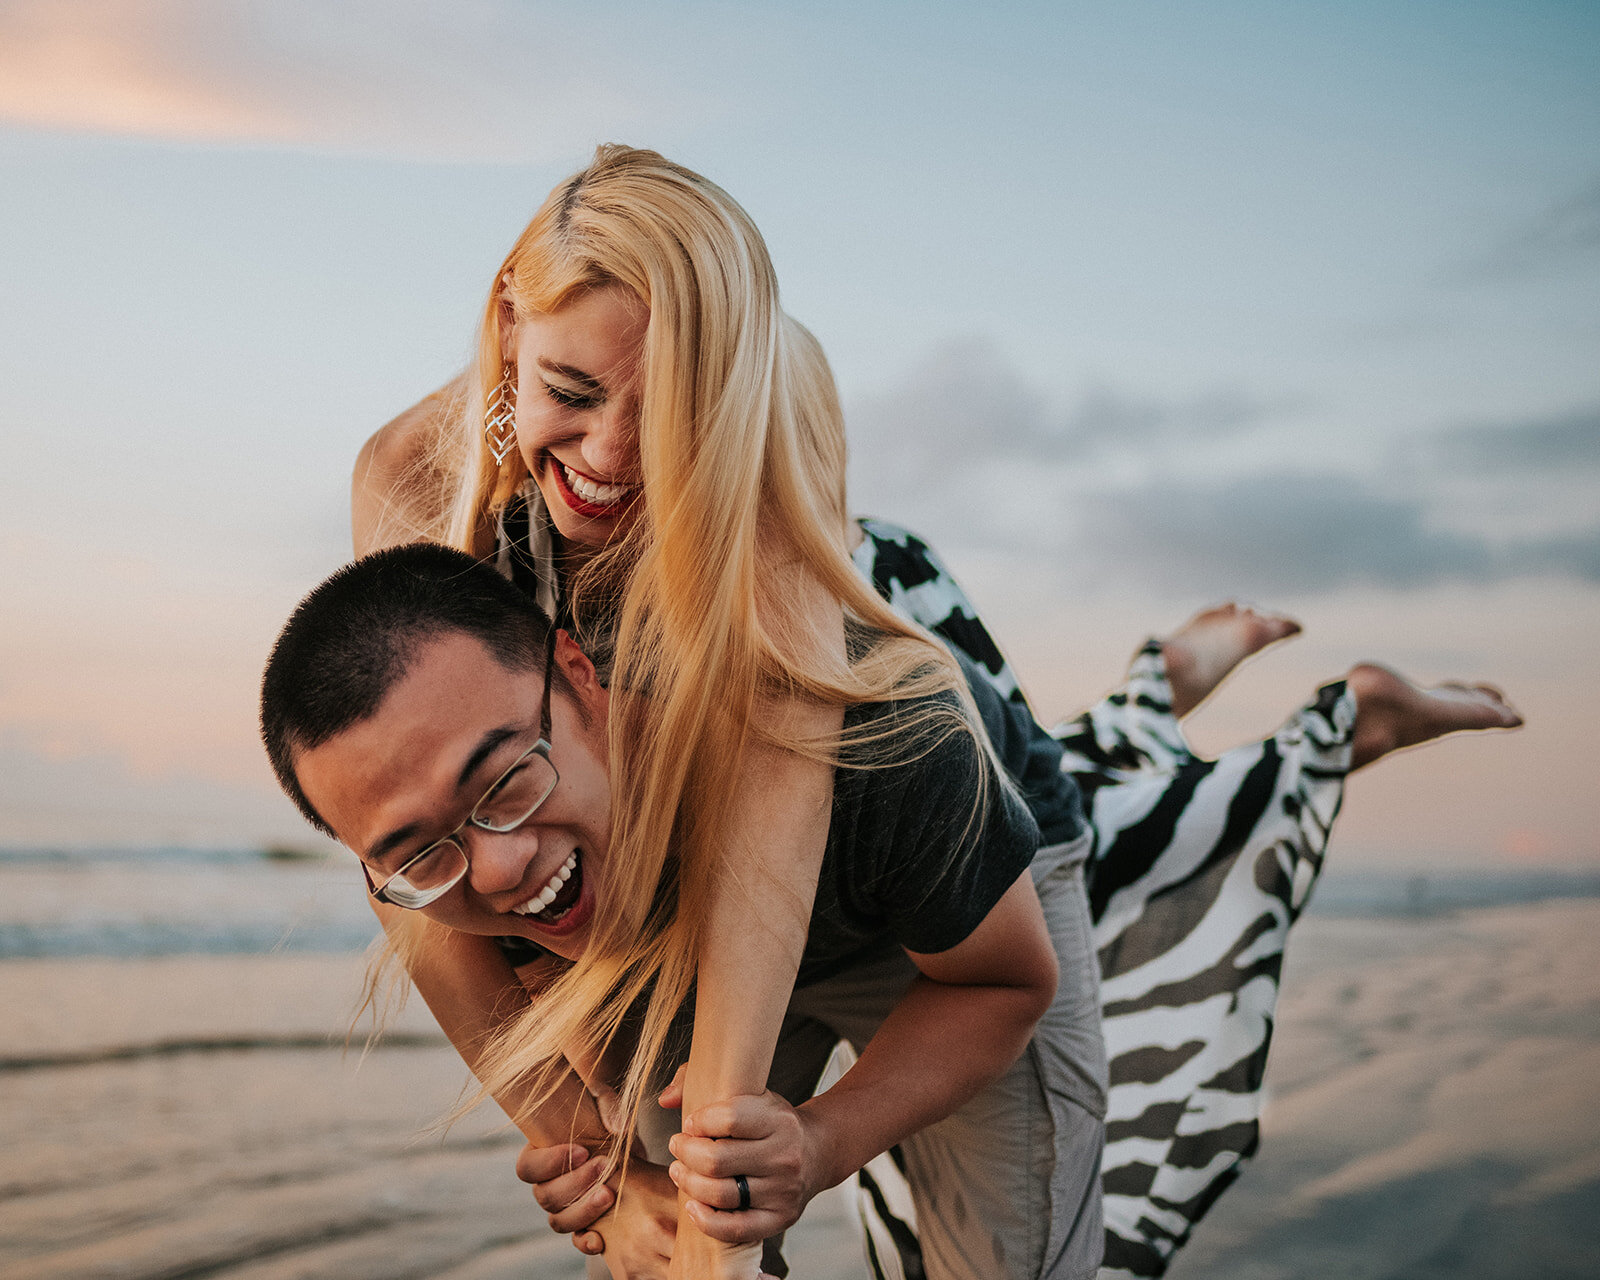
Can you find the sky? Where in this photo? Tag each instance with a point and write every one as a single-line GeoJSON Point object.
{"type": "Point", "coordinates": [1134, 307]}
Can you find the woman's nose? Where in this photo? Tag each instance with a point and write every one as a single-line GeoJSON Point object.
{"type": "Point", "coordinates": [498, 861]}
{"type": "Point", "coordinates": [611, 448]}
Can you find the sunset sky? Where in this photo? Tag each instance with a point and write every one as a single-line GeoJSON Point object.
{"type": "Point", "coordinates": [1134, 306]}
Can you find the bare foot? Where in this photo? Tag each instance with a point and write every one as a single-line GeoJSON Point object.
{"type": "Point", "coordinates": [1211, 644]}
{"type": "Point", "coordinates": [1392, 713]}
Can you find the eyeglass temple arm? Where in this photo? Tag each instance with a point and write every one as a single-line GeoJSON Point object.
{"type": "Point", "coordinates": [549, 667]}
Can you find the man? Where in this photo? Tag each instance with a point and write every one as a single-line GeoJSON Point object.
{"type": "Point", "coordinates": [419, 708]}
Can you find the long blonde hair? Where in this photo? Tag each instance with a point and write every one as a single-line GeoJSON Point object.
{"type": "Point", "coordinates": [740, 534]}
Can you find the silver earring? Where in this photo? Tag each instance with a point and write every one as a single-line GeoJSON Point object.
{"type": "Point", "coordinates": [500, 417]}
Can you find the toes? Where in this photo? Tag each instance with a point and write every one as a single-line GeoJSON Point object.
{"type": "Point", "coordinates": [1489, 695]}
{"type": "Point", "coordinates": [1278, 624]}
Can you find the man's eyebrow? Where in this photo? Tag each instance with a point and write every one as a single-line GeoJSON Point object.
{"type": "Point", "coordinates": [571, 373]}
{"type": "Point", "coordinates": [487, 746]}
{"type": "Point", "coordinates": [390, 843]}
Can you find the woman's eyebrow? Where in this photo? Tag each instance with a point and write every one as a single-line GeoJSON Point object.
{"type": "Point", "coordinates": [567, 371]}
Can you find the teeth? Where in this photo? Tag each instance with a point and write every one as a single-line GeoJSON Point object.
{"type": "Point", "coordinates": [547, 895]}
{"type": "Point", "coordinates": [601, 495]}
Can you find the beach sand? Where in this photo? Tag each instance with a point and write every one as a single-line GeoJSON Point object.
{"type": "Point", "coordinates": [1432, 1114]}
{"type": "Point", "coordinates": [1432, 1106]}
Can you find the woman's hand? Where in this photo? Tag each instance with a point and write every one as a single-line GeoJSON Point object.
{"type": "Point", "coordinates": [698, 1257]}
{"type": "Point", "coordinates": [760, 1137]}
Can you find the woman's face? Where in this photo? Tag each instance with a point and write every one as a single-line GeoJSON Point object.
{"type": "Point", "coordinates": [578, 384]}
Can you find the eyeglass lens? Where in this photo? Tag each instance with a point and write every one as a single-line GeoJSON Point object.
{"type": "Point", "coordinates": [515, 797]}
{"type": "Point", "coordinates": [438, 866]}
{"type": "Point", "coordinates": [507, 805]}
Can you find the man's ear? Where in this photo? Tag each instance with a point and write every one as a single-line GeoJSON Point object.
{"type": "Point", "coordinates": [573, 663]}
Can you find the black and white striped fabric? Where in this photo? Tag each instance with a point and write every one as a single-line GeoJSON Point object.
{"type": "Point", "coordinates": [1199, 868]}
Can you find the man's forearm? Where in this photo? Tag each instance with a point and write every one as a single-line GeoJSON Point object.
{"type": "Point", "coordinates": [958, 1026]}
{"type": "Point", "coordinates": [935, 1051]}
{"type": "Point", "coordinates": [472, 991]}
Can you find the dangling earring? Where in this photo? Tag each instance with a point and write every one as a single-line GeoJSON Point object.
{"type": "Point", "coordinates": [500, 417]}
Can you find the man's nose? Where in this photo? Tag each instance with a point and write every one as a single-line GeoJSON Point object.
{"type": "Point", "coordinates": [497, 861]}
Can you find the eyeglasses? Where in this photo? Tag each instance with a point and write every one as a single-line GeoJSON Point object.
{"type": "Point", "coordinates": [510, 801]}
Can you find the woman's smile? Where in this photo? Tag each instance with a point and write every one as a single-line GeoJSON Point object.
{"type": "Point", "coordinates": [587, 496]}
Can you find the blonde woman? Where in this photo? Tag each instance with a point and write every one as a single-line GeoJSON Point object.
{"type": "Point", "coordinates": [656, 451]}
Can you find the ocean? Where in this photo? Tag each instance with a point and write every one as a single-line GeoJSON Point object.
{"type": "Point", "coordinates": [179, 901]}
{"type": "Point", "coordinates": [174, 901]}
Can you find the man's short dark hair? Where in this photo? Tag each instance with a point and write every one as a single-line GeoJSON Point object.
{"type": "Point", "coordinates": [353, 638]}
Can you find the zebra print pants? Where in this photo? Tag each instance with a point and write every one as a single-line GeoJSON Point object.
{"type": "Point", "coordinates": [1198, 869]}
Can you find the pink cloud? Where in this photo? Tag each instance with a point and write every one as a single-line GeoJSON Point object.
{"type": "Point", "coordinates": [400, 79]}
{"type": "Point", "coordinates": [103, 67]}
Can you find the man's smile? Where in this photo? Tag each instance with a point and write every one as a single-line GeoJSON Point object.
{"type": "Point", "coordinates": [564, 905]}
{"type": "Point", "coordinates": [559, 893]}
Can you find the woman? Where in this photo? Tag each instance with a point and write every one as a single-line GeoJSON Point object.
{"type": "Point", "coordinates": [658, 451]}
{"type": "Point", "coordinates": [711, 539]}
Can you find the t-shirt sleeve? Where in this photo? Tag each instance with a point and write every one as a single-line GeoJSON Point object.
{"type": "Point", "coordinates": [952, 837]}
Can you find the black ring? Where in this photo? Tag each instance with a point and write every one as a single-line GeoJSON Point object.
{"type": "Point", "coordinates": [743, 1183]}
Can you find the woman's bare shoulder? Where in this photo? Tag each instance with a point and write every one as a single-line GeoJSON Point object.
{"type": "Point", "coordinates": [392, 470]}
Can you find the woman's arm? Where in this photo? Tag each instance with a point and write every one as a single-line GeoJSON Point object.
{"type": "Point", "coordinates": [959, 1025]}
{"type": "Point", "coordinates": [384, 502]}
{"type": "Point", "coordinates": [751, 951]}
{"type": "Point", "coordinates": [758, 918]}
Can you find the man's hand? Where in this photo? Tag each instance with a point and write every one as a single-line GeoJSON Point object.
{"type": "Point", "coordinates": [566, 1185]}
{"type": "Point", "coordinates": [761, 1137]}
{"type": "Point", "coordinates": [634, 1234]}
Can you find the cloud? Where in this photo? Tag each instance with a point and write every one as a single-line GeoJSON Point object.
{"type": "Point", "coordinates": [469, 81]}
{"type": "Point", "coordinates": [967, 400]}
{"type": "Point", "coordinates": [1275, 533]}
{"type": "Point", "coordinates": [1176, 494]}
{"type": "Point", "coordinates": [1577, 555]}
{"type": "Point", "coordinates": [1563, 443]}
{"type": "Point", "coordinates": [1268, 534]}
{"type": "Point", "coordinates": [1566, 233]}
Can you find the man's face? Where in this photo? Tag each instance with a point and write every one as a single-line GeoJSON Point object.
{"type": "Point", "coordinates": [399, 780]}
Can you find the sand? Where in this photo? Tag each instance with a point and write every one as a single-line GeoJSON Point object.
{"type": "Point", "coordinates": [1432, 1114]}
{"type": "Point", "coordinates": [198, 1116]}
{"type": "Point", "coordinates": [1432, 1109]}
